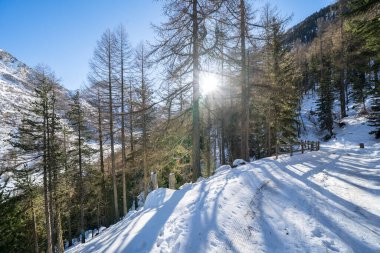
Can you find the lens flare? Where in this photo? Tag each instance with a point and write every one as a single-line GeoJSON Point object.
{"type": "Point", "coordinates": [208, 82]}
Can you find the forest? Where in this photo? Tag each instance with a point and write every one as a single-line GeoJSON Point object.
{"type": "Point", "coordinates": [222, 81]}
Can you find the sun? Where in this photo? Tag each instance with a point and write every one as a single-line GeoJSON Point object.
{"type": "Point", "coordinates": [208, 82]}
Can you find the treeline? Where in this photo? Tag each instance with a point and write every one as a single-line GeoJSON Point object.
{"type": "Point", "coordinates": [342, 64]}
{"type": "Point", "coordinates": [84, 163]}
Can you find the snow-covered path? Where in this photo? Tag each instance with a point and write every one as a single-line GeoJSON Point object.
{"type": "Point", "coordinates": [325, 201]}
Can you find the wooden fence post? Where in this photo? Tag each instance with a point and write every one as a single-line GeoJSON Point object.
{"type": "Point", "coordinates": [172, 181]}
{"type": "Point", "coordinates": [153, 178]}
{"type": "Point", "coordinates": [276, 150]}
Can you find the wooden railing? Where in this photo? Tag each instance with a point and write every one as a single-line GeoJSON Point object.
{"type": "Point", "coordinates": [300, 146]}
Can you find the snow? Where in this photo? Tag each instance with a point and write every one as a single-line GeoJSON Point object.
{"type": "Point", "coordinates": [158, 197]}
{"type": "Point", "coordinates": [309, 118]}
{"type": "Point", "coordinates": [16, 96]}
{"type": "Point", "coordinates": [320, 201]}
{"type": "Point", "coordinates": [325, 201]}
{"type": "Point", "coordinates": [238, 162]}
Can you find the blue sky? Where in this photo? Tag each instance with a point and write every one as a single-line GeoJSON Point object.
{"type": "Point", "coordinates": [63, 33]}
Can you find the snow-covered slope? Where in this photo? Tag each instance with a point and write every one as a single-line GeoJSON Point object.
{"type": "Point", "coordinates": [15, 93]}
{"type": "Point", "coordinates": [325, 201]}
{"type": "Point", "coordinates": [16, 96]}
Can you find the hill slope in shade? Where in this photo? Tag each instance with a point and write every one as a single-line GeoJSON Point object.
{"type": "Point", "coordinates": [16, 98]}
{"type": "Point", "coordinates": [15, 93]}
{"type": "Point", "coordinates": [325, 201]}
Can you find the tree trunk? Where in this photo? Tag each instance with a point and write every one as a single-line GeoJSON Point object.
{"type": "Point", "coordinates": [269, 139]}
{"type": "Point", "coordinates": [60, 245]}
{"type": "Point", "coordinates": [46, 189]}
{"type": "Point", "coordinates": [131, 121]}
{"type": "Point", "coordinates": [50, 179]}
{"type": "Point", "coordinates": [81, 190]}
{"type": "Point", "coordinates": [222, 143]}
{"type": "Point", "coordinates": [215, 156]}
{"type": "Point", "coordinates": [110, 107]}
{"type": "Point", "coordinates": [196, 156]}
{"type": "Point", "coordinates": [222, 126]}
{"type": "Point", "coordinates": [244, 150]}
{"type": "Point", "coordinates": [67, 180]}
{"type": "Point", "coordinates": [98, 214]}
{"type": "Point", "coordinates": [342, 95]}
{"type": "Point", "coordinates": [100, 135]}
{"type": "Point", "coordinates": [69, 232]}
{"type": "Point", "coordinates": [208, 148]}
{"type": "Point", "coordinates": [144, 123]}
{"type": "Point", "coordinates": [123, 140]}
{"type": "Point", "coordinates": [35, 233]}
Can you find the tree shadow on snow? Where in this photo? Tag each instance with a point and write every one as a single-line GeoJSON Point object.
{"type": "Point", "coordinates": [287, 188]}
{"type": "Point", "coordinates": [206, 223]}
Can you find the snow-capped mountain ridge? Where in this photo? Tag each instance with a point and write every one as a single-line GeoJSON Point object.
{"type": "Point", "coordinates": [15, 93]}
{"type": "Point", "coordinates": [16, 96]}
{"type": "Point", "coordinates": [13, 70]}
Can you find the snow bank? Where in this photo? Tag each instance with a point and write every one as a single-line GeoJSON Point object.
{"type": "Point", "coordinates": [158, 197]}
{"type": "Point", "coordinates": [223, 168]}
{"type": "Point", "coordinates": [238, 162]}
{"type": "Point", "coordinates": [325, 201]}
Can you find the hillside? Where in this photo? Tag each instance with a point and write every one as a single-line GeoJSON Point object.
{"type": "Point", "coordinates": [15, 93]}
{"type": "Point", "coordinates": [306, 30]}
{"type": "Point", "coordinates": [321, 201]}
{"type": "Point", "coordinates": [16, 97]}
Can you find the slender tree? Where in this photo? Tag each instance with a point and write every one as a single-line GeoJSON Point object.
{"type": "Point", "coordinates": [40, 126]}
{"type": "Point", "coordinates": [144, 93]}
{"type": "Point", "coordinates": [76, 118]}
{"type": "Point", "coordinates": [103, 68]}
{"type": "Point", "coordinates": [183, 40]}
{"type": "Point", "coordinates": [123, 55]}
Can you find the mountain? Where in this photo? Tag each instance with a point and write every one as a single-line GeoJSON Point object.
{"type": "Point", "coordinates": [16, 96]}
{"type": "Point", "coordinates": [306, 30]}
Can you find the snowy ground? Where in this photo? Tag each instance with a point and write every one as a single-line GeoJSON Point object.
{"type": "Point", "coordinates": [326, 201]}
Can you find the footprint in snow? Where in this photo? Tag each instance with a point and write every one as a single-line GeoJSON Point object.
{"type": "Point", "coordinates": [330, 245]}
{"type": "Point", "coordinates": [317, 232]}
{"type": "Point", "coordinates": [159, 241]}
